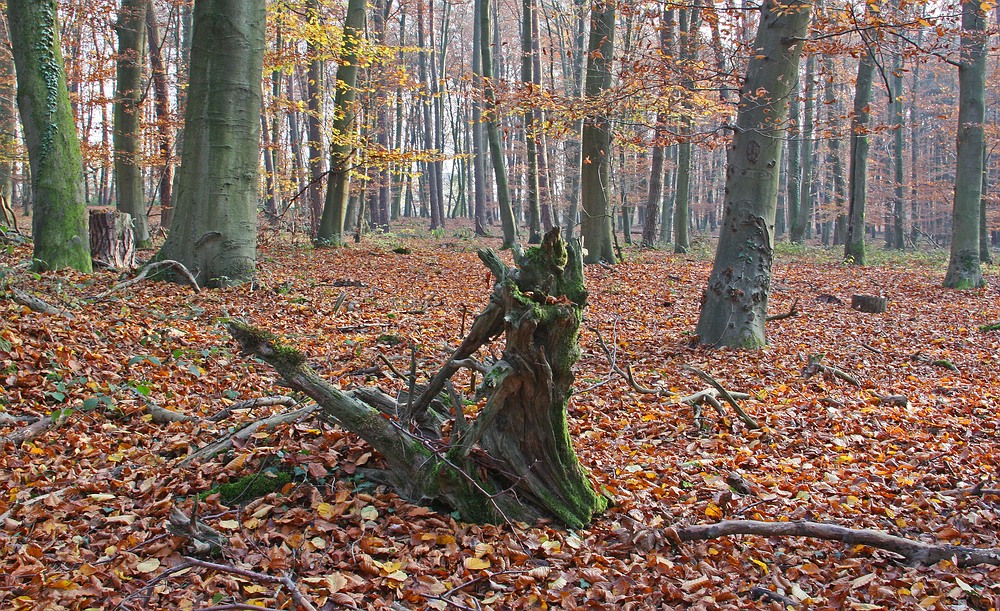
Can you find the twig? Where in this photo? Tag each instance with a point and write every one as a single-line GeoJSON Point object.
{"type": "Point", "coordinates": [284, 580]}
{"type": "Point", "coordinates": [747, 420]}
{"type": "Point", "coordinates": [247, 431]}
{"type": "Point", "coordinates": [391, 367]}
{"type": "Point", "coordinates": [792, 311]}
{"type": "Point", "coordinates": [815, 366]}
{"type": "Point", "coordinates": [626, 373]}
{"type": "Point", "coordinates": [152, 268]}
{"type": "Point", "coordinates": [33, 430]}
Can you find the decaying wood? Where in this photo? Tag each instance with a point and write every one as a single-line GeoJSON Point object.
{"type": "Point", "coordinates": [515, 460]}
{"type": "Point", "coordinates": [33, 431]}
{"type": "Point", "coordinates": [916, 553]}
{"type": "Point", "coordinates": [8, 419]}
{"type": "Point", "coordinates": [250, 404]}
{"type": "Point", "coordinates": [284, 581]}
{"type": "Point", "coordinates": [152, 268]}
{"type": "Point", "coordinates": [816, 366]}
{"type": "Point", "coordinates": [243, 434]}
{"type": "Point", "coordinates": [870, 304]}
{"type": "Point", "coordinates": [725, 394]}
{"type": "Point", "coordinates": [202, 538]}
{"type": "Point", "coordinates": [162, 415]}
{"type": "Point", "coordinates": [112, 239]}
{"type": "Point", "coordinates": [38, 305]}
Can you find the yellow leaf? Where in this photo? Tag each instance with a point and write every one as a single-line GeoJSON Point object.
{"type": "Point", "coordinates": [229, 524]}
{"type": "Point", "coordinates": [253, 588]}
{"type": "Point", "coordinates": [318, 542]}
{"type": "Point", "coordinates": [369, 513]}
{"type": "Point", "coordinates": [325, 510]}
{"type": "Point", "coordinates": [713, 511]}
{"type": "Point", "coordinates": [475, 564]}
{"type": "Point", "coordinates": [444, 539]}
{"type": "Point", "coordinates": [762, 565]}
{"type": "Point", "coordinates": [148, 566]}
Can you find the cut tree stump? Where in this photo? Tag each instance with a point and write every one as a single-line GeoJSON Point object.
{"type": "Point", "coordinates": [112, 240]}
{"type": "Point", "coordinates": [515, 460]}
{"type": "Point", "coordinates": [871, 304]}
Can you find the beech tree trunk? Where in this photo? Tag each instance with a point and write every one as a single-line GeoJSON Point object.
{"type": "Point", "coordinates": [515, 460]}
{"type": "Point", "coordinates": [129, 93]}
{"type": "Point", "coordinates": [162, 105]}
{"type": "Point", "coordinates": [112, 238]}
{"type": "Point", "coordinates": [857, 191]}
{"type": "Point", "coordinates": [214, 233]}
{"type": "Point", "coordinates": [8, 126]}
{"type": "Point", "coordinates": [735, 301]}
{"type": "Point", "coordinates": [964, 268]}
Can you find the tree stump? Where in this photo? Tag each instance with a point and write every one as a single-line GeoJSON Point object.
{"type": "Point", "coordinates": [871, 304]}
{"type": "Point", "coordinates": [515, 460]}
{"type": "Point", "coordinates": [112, 240]}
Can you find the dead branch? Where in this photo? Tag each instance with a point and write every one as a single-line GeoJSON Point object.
{"type": "Point", "coordinates": [33, 431]}
{"type": "Point", "coordinates": [916, 553]}
{"type": "Point", "coordinates": [250, 404]}
{"type": "Point", "coordinates": [162, 415]}
{"type": "Point", "coordinates": [243, 434]}
{"type": "Point", "coordinates": [202, 538]}
{"type": "Point", "coordinates": [38, 305]}
{"type": "Point", "coordinates": [627, 372]}
{"type": "Point", "coordinates": [792, 311]}
{"type": "Point", "coordinates": [815, 366]}
{"type": "Point", "coordinates": [6, 419]}
{"type": "Point", "coordinates": [284, 580]}
{"type": "Point", "coordinates": [156, 266]}
{"type": "Point", "coordinates": [725, 394]}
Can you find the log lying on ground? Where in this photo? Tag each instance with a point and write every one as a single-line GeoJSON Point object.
{"type": "Point", "coordinates": [36, 304]}
{"type": "Point", "coordinates": [870, 304]}
{"type": "Point", "coordinates": [515, 461]}
{"type": "Point", "coordinates": [916, 553]}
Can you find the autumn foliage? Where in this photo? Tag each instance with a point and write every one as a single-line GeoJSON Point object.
{"type": "Point", "coordinates": [84, 507]}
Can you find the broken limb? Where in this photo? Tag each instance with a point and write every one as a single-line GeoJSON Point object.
{"type": "Point", "coordinates": [792, 311]}
{"type": "Point", "coordinates": [815, 366]}
{"type": "Point", "coordinates": [725, 394]}
{"type": "Point", "coordinates": [150, 269]}
{"type": "Point", "coordinates": [250, 404]}
{"type": "Point", "coordinates": [38, 305]}
{"type": "Point", "coordinates": [916, 553]}
{"type": "Point", "coordinates": [245, 433]}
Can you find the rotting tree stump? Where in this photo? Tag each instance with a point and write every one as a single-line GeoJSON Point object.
{"type": "Point", "coordinates": [515, 460]}
{"type": "Point", "coordinates": [870, 304]}
{"type": "Point", "coordinates": [112, 239]}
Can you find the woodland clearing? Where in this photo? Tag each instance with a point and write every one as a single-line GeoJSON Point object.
{"type": "Point", "coordinates": [85, 506]}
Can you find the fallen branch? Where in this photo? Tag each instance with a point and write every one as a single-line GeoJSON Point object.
{"type": "Point", "coordinates": [250, 404]}
{"type": "Point", "coordinates": [792, 311]}
{"type": "Point", "coordinates": [627, 372]}
{"type": "Point", "coordinates": [725, 394]}
{"type": "Point", "coordinates": [246, 432]}
{"type": "Point", "coordinates": [815, 366]}
{"type": "Point", "coordinates": [154, 267]}
{"type": "Point", "coordinates": [284, 580]}
{"type": "Point", "coordinates": [33, 431]}
{"type": "Point", "coordinates": [6, 418]}
{"type": "Point", "coordinates": [38, 305]}
{"type": "Point", "coordinates": [916, 553]}
{"type": "Point", "coordinates": [162, 415]}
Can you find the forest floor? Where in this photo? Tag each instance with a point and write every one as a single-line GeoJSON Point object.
{"type": "Point", "coordinates": [84, 507]}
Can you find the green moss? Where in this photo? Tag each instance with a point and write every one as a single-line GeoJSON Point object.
{"type": "Point", "coordinates": [249, 487]}
{"type": "Point", "coordinates": [252, 338]}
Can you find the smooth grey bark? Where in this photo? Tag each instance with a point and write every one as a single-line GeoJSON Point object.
{"type": "Point", "coordinates": [162, 106]}
{"type": "Point", "coordinates": [507, 220]}
{"type": "Point", "coordinates": [595, 184]}
{"type": "Point", "coordinates": [315, 95]}
{"type": "Point", "coordinates": [793, 158]}
{"type": "Point", "coordinates": [688, 41]}
{"type": "Point", "coordinates": [338, 190]}
{"type": "Point", "coordinates": [734, 306]}
{"type": "Point", "coordinates": [834, 160]}
{"type": "Point", "coordinates": [542, 148]}
{"type": "Point", "coordinates": [215, 228]}
{"type": "Point", "coordinates": [896, 120]}
{"type": "Point", "coordinates": [964, 267]}
{"type": "Point", "coordinates": [530, 129]}
{"type": "Point", "coordinates": [478, 146]}
{"type": "Point", "coordinates": [129, 94]}
{"type": "Point", "coordinates": [186, 27]}
{"type": "Point", "coordinates": [573, 150]}
{"type": "Point", "coordinates": [857, 191]}
{"type": "Point", "coordinates": [984, 232]}
{"type": "Point", "coordinates": [800, 223]}
{"type": "Point", "coordinates": [59, 220]}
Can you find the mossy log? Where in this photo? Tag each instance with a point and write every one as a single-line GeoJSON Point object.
{"type": "Point", "coordinates": [515, 460]}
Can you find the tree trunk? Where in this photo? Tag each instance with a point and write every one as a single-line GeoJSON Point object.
{"type": "Point", "coordinates": [595, 183]}
{"type": "Point", "coordinates": [315, 94]}
{"type": "Point", "coordinates": [8, 124]}
{"type": "Point", "coordinates": [531, 132]}
{"type": "Point", "coordinates": [793, 158]}
{"type": "Point", "coordinates": [896, 119]}
{"type": "Point", "coordinates": [129, 93]}
{"type": "Point", "coordinates": [478, 148]}
{"type": "Point", "coordinates": [854, 241]}
{"type": "Point", "coordinates": [964, 268]}
{"type": "Point", "coordinates": [492, 129]}
{"type": "Point", "coordinates": [162, 105]}
{"type": "Point", "coordinates": [186, 26]}
{"type": "Point", "coordinates": [338, 192]}
{"type": "Point", "coordinates": [59, 218]}
{"type": "Point", "coordinates": [573, 157]}
{"type": "Point", "coordinates": [215, 230]}
{"type": "Point", "coordinates": [515, 461]}
{"type": "Point", "coordinates": [735, 301]}
{"type": "Point", "coordinates": [112, 238]}
{"type": "Point", "coordinates": [689, 24]}
{"type": "Point", "coordinates": [800, 224]}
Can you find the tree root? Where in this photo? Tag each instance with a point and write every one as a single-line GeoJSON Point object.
{"type": "Point", "coordinates": [725, 394]}
{"type": "Point", "coordinates": [152, 268]}
{"type": "Point", "coordinates": [916, 553]}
